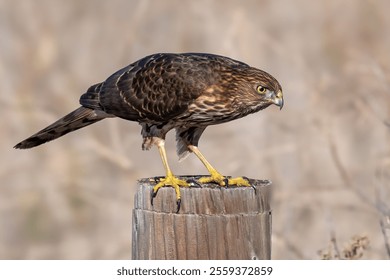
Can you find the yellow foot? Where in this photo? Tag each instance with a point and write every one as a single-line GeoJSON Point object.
{"type": "Point", "coordinates": [174, 182]}
{"type": "Point", "coordinates": [223, 181]}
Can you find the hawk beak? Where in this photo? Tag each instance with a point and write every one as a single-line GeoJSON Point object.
{"type": "Point", "coordinates": [278, 99]}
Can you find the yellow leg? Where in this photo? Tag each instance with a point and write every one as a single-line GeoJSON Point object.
{"type": "Point", "coordinates": [215, 175]}
{"type": "Point", "coordinates": [170, 179]}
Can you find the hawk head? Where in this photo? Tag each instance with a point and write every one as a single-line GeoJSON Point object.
{"type": "Point", "coordinates": [255, 90]}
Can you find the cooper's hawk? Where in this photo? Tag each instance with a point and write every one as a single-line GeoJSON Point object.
{"type": "Point", "coordinates": [186, 92]}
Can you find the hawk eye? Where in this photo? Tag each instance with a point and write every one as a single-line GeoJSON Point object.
{"type": "Point", "coordinates": [261, 89]}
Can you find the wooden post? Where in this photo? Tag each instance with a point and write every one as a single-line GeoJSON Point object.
{"type": "Point", "coordinates": [213, 222]}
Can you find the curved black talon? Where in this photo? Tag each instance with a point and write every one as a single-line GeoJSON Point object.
{"type": "Point", "coordinates": [178, 203]}
{"type": "Point", "coordinates": [226, 181]}
{"type": "Point", "coordinates": [193, 183]}
{"type": "Point", "coordinates": [156, 179]}
{"type": "Point", "coordinates": [152, 196]}
{"type": "Point", "coordinates": [253, 186]}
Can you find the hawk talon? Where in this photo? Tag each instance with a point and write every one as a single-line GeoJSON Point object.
{"type": "Point", "coordinates": [170, 181]}
{"type": "Point", "coordinates": [152, 196]}
{"type": "Point", "coordinates": [226, 181]}
{"type": "Point", "coordinates": [251, 185]}
{"type": "Point", "coordinates": [178, 204]}
{"type": "Point", "coordinates": [156, 179]}
{"type": "Point", "coordinates": [217, 178]}
{"type": "Point", "coordinates": [193, 183]}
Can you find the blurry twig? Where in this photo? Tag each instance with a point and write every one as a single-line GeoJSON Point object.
{"type": "Point", "coordinates": [384, 210]}
{"type": "Point", "coordinates": [378, 205]}
{"type": "Point", "coordinates": [385, 236]}
{"type": "Point", "coordinates": [378, 73]}
{"type": "Point", "coordinates": [109, 154]}
{"type": "Point", "coordinates": [355, 250]}
{"type": "Point", "coordinates": [289, 245]}
{"type": "Point", "coordinates": [343, 171]}
{"type": "Point", "coordinates": [334, 243]}
{"type": "Point", "coordinates": [352, 251]}
{"type": "Point", "coordinates": [356, 247]}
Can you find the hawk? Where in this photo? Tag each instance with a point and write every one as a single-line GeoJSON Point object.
{"type": "Point", "coordinates": [186, 92]}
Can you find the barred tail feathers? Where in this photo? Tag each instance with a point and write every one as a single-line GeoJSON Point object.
{"type": "Point", "coordinates": [75, 120]}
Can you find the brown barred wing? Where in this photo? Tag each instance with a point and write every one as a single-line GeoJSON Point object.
{"type": "Point", "coordinates": [156, 88]}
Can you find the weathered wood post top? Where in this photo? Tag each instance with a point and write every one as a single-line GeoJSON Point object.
{"type": "Point", "coordinates": [213, 223]}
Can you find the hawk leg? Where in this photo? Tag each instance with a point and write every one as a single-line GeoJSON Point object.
{"type": "Point", "coordinates": [215, 176]}
{"type": "Point", "coordinates": [170, 179]}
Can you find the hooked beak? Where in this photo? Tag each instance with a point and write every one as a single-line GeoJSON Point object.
{"type": "Point", "coordinates": [278, 99]}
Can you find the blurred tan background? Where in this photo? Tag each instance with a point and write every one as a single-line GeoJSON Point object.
{"type": "Point", "coordinates": [327, 151]}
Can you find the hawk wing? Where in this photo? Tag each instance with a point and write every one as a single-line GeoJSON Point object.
{"type": "Point", "coordinates": [159, 87]}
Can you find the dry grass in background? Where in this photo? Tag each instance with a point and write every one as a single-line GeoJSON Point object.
{"type": "Point", "coordinates": [327, 151]}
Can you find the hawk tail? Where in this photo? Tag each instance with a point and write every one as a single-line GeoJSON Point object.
{"type": "Point", "coordinates": [75, 120]}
